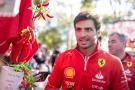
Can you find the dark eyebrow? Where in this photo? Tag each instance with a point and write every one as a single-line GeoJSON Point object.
{"type": "Point", "coordinates": [88, 28]}
{"type": "Point", "coordinates": [112, 41]}
{"type": "Point", "coordinates": [78, 28]}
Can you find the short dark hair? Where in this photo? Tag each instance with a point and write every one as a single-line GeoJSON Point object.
{"type": "Point", "coordinates": [87, 16]}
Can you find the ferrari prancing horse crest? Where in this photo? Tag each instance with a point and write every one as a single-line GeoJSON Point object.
{"type": "Point", "coordinates": [101, 62]}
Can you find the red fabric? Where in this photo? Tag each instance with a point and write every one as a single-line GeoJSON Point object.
{"type": "Point", "coordinates": [19, 54]}
{"type": "Point", "coordinates": [73, 73]}
{"type": "Point", "coordinates": [34, 49]}
{"type": "Point", "coordinates": [11, 26]}
{"type": "Point", "coordinates": [4, 46]}
{"type": "Point", "coordinates": [129, 70]}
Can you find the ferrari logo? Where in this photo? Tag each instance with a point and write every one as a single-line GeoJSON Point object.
{"type": "Point", "coordinates": [69, 72]}
{"type": "Point", "coordinates": [101, 62]}
{"type": "Point", "coordinates": [129, 64]}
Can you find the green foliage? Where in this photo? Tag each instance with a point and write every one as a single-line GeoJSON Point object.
{"type": "Point", "coordinates": [111, 19]}
{"type": "Point", "coordinates": [40, 1]}
{"type": "Point", "coordinates": [62, 18]}
{"type": "Point", "coordinates": [28, 76]}
{"type": "Point", "coordinates": [86, 5]}
{"type": "Point", "coordinates": [118, 14]}
{"type": "Point", "coordinates": [51, 37]}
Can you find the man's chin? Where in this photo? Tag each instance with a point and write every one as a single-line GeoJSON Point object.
{"type": "Point", "coordinates": [84, 47]}
{"type": "Point", "coordinates": [111, 52]}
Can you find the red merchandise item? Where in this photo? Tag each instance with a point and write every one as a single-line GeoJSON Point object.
{"type": "Point", "coordinates": [17, 49]}
{"type": "Point", "coordinates": [33, 50]}
{"type": "Point", "coordinates": [101, 71]}
{"type": "Point", "coordinates": [23, 50]}
{"type": "Point", "coordinates": [10, 27]}
{"type": "Point", "coordinates": [23, 46]}
{"type": "Point", "coordinates": [129, 67]}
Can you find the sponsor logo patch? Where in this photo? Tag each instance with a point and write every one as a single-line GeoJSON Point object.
{"type": "Point", "coordinates": [101, 62]}
{"type": "Point", "coordinates": [128, 73]}
{"type": "Point", "coordinates": [129, 64]}
{"type": "Point", "coordinates": [96, 87]}
{"type": "Point", "coordinates": [99, 76]}
{"type": "Point", "coordinates": [69, 84]}
{"type": "Point", "coordinates": [69, 72]}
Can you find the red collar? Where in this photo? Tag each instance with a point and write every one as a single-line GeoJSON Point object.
{"type": "Point", "coordinates": [126, 57]}
{"type": "Point", "coordinates": [95, 50]}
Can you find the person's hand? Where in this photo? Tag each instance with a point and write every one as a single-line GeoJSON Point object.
{"type": "Point", "coordinates": [1, 63]}
{"type": "Point", "coordinates": [2, 2]}
{"type": "Point", "coordinates": [41, 76]}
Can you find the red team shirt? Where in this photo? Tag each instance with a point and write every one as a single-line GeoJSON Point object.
{"type": "Point", "coordinates": [129, 67]}
{"type": "Point", "coordinates": [101, 71]}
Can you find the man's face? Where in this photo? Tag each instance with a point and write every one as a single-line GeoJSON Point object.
{"type": "Point", "coordinates": [85, 34]}
{"type": "Point", "coordinates": [115, 46]}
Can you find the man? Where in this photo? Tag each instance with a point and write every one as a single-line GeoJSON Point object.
{"type": "Point", "coordinates": [117, 45]}
{"type": "Point", "coordinates": [87, 67]}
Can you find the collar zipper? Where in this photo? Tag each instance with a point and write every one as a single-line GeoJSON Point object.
{"type": "Point", "coordinates": [85, 58]}
{"type": "Point", "coordinates": [85, 62]}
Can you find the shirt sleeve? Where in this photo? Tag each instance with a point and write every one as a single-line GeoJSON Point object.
{"type": "Point", "coordinates": [119, 81]}
{"type": "Point", "coordinates": [55, 78]}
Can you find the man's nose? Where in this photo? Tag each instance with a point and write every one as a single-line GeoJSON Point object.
{"type": "Point", "coordinates": [109, 44]}
{"type": "Point", "coordinates": [83, 33]}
